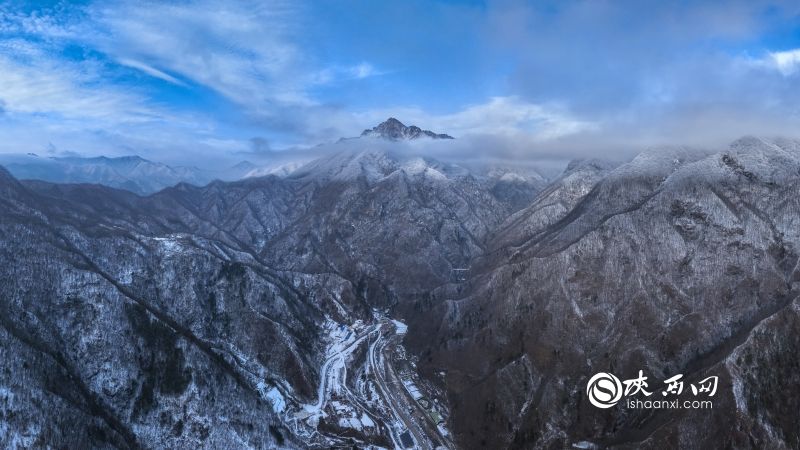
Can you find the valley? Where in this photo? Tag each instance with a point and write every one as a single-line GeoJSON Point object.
{"type": "Point", "coordinates": [372, 405]}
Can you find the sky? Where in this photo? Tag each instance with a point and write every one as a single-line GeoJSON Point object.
{"type": "Point", "coordinates": [209, 82]}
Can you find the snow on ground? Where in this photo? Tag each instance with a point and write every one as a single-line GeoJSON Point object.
{"type": "Point", "coordinates": [401, 327]}
{"type": "Point", "coordinates": [369, 403]}
{"type": "Point", "coordinates": [349, 417]}
{"type": "Point", "coordinates": [366, 421]}
{"type": "Point", "coordinates": [412, 389]}
{"type": "Point", "coordinates": [170, 244]}
{"type": "Point", "coordinates": [350, 422]}
{"type": "Point", "coordinates": [277, 400]}
{"type": "Point", "coordinates": [342, 342]}
{"type": "Point", "coordinates": [512, 177]}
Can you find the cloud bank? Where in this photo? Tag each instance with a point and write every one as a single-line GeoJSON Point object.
{"type": "Point", "coordinates": [200, 81]}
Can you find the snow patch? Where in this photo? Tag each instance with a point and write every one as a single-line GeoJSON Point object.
{"type": "Point", "coordinates": [274, 396]}
{"type": "Point", "coordinates": [512, 177]}
{"type": "Point", "coordinates": [278, 402]}
{"type": "Point", "coordinates": [366, 421]}
{"type": "Point", "coordinates": [412, 389]}
{"type": "Point", "coordinates": [350, 422]}
{"type": "Point", "coordinates": [401, 327]}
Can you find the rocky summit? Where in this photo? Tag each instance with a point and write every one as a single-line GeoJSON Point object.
{"type": "Point", "coordinates": [376, 300]}
{"type": "Point", "coordinates": [394, 130]}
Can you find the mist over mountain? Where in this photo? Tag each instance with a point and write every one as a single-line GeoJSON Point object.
{"type": "Point", "coordinates": [142, 176]}
{"type": "Point", "coordinates": [132, 173]}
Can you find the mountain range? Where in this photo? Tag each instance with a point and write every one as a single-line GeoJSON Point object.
{"type": "Point", "coordinates": [374, 299]}
{"type": "Point", "coordinates": [143, 177]}
{"type": "Point", "coordinates": [131, 173]}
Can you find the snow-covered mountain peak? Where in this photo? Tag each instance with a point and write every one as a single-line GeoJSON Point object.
{"type": "Point", "coordinates": [376, 164]}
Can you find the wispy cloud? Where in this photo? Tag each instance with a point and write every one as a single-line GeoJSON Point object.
{"type": "Point", "coordinates": [331, 75]}
{"type": "Point", "coordinates": [243, 50]}
{"type": "Point", "coordinates": [364, 70]}
{"type": "Point", "coordinates": [150, 70]}
{"type": "Point", "coordinates": [511, 116]}
{"type": "Point", "coordinates": [60, 70]}
{"type": "Point", "coordinates": [34, 82]}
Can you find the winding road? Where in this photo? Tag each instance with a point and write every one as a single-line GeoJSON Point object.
{"type": "Point", "coordinates": [406, 415]}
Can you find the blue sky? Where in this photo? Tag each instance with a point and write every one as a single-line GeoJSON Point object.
{"type": "Point", "coordinates": [201, 81]}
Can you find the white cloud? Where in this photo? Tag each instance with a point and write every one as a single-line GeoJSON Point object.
{"type": "Point", "coordinates": [251, 53]}
{"type": "Point", "coordinates": [247, 51]}
{"type": "Point", "coordinates": [510, 116]}
{"type": "Point", "coordinates": [359, 71]}
{"type": "Point", "coordinates": [54, 87]}
{"type": "Point", "coordinates": [239, 49]}
{"type": "Point", "coordinates": [49, 99]}
{"type": "Point", "coordinates": [505, 116]}
{"type": "Point", "coordinates": [787, 62]}
{"type": "Point", "coordinates": [364, 70]}
{"type": "Point", "coordinates": [150, 70]}
{"type": "Point", "coordinates": [242, 50]}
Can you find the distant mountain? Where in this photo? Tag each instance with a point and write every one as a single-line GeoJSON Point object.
{"type": "Point", "coordinates": [132, 173]}
{"type": "Point", "coordinates": [394, 130]}
{"type": "Point", "coordinates": [142, 176]}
